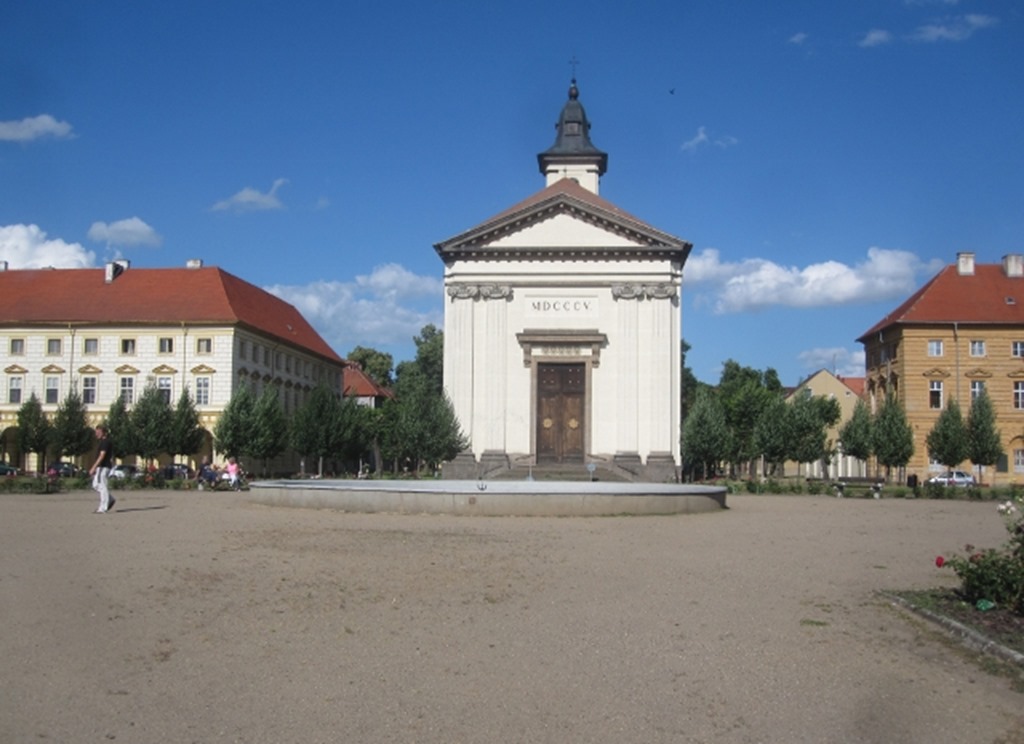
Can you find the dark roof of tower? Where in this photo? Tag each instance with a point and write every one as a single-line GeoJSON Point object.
{"type": "Point", "coordinates": [572, 143]}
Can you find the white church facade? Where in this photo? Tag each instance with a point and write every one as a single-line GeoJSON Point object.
{"type": "Point", "coordinates": [562, 326]}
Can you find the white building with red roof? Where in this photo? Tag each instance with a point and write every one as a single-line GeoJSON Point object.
{"type": "Point", "coordinates": [110, 332]}
{"type": "Point", "coordinates": [562, 325]}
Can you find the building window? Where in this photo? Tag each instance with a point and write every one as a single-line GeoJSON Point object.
{"type": "Point", "coordinates": [163, 384]}
{"type": "Point", "coordinates": [935, 394]}
{"type": "Point", "coordinates": [52, 389]}
{"type": "Point", "coordinates": [204, 346]}
{"type": "Point", "coordinates": [128, 347]}
{"type": "Point", "coordinates": [166, 345]}
{"type": "Point", "coordinates": [935, 348]}
{"type": "Point", "coordinates": [17, 347]}
{"type": "Point", "coordinates": [128, 390]}
{"type": "Point", "coordinates": [91, 346]}
{"type": "Point", "coordinates": [243, 349]}
{"type": "Point", "coordinates": [1018, 461]}
{"type": "Point", "coordinates": [977, 388]}
{"type": "Point", "coordinates": [1018, 395]}
{"type": "Point", "coordinates": [977, 348]}
{"type": "Point", "coordinates": [1017, 349]}
{"type": "Point", "coordinates": [89, 390]}
{"type": "Point", "coordinates": [202, 391]}
{"type": "Point", "coordinates": [14, 389]}
{"type": "Point", "coordinates": [53, 347]}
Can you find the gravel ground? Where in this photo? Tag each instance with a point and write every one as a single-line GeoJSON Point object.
{"type": "Point", "coordinates": [192, 617]}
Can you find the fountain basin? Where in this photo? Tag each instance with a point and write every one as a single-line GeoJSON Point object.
{"type": "Point", "coordinates": [490, 498]}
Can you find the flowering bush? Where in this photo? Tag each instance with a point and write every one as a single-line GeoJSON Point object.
{"type": "Point", "coordinates": [994, 575]}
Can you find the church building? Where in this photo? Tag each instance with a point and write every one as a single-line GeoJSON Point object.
{"type": "Point", "coordinates": [562, 326]}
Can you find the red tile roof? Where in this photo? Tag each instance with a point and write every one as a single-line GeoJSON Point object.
{"type": "Point", "coordinates": [988, 296]}
{"type": "Point", "coordinates": [204, 296]}
{"type": "Point", "coordinates": [856, 384]}
{"type": "Point", "coordinates": [358, 384]}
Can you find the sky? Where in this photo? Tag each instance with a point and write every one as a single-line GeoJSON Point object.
{"type": "Point", "coordinates": [825, 159]}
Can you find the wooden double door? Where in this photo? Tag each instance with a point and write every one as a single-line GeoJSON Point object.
{"type": "Point", "coordinates": [561, 403]}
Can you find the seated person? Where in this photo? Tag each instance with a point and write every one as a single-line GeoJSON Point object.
{"type": "Point", "coordinates": [207, 474]}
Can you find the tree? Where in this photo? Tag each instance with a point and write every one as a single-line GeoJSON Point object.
{"type": "Point", "coordinates": [376, 364]}
{"type": "Point", "coordinates": [688, 384]}
{"type": "Point", "coordinates": [985, 445]}
{"type": "Point", "coordinates": [121, 429]}
{"type": "Point", "coordinates": [705, 434]}
{"type": "Point", "coordinates": [430, 356]}
{"type": "Point", "coordinates": [892, 437]}
{"type": "Point", "coordinates": [186, 435]}
{"type": "Point", "coordinates": [947, 441]}
{"type": "Point", "coordinates": [269, 428]}
{"type": "Point", "coordinates": [856, 433]}
{"type": "Point", "coordinates": [772, 434]}
{"type": "Point", "coordinates": [420, 425]}
{"type": "Point", "coordinates": [233, 431]}
{"type": "Point", "coordinates": [744, 393]}
{"type": "Point", "coordinates": [34, 429]}
{"type": "Point", "coordinates": [72, 435]}
{"type": "Point", "coordinates": [313, 432]}
{"type": "Point", "coordinates": [151, 419]}
{"type": "Point", "coordinates": [810, 418]}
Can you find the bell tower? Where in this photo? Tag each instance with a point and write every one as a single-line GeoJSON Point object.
{"type": "Point", "coordinates": [573, 155]}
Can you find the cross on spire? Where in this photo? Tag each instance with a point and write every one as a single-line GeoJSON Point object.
{"type": "Point", "coordinates": [572, 63]}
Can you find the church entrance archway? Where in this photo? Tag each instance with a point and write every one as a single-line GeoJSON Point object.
{"type": "Point", "coordinates": [561, 411]}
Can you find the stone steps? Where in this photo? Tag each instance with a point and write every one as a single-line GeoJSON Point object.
{"type": "Point", "coordinates": [559, 472]}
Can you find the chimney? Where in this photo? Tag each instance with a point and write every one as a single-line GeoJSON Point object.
{"type": "Point", "coordinates": [1013, 265]}
{"type": "Point", "coordinates": [114, 269]}
{"type": "Point", "coordinates": [965, 263]}
{"type": "Point", "coordinates": [194, 263]}
{"type": "Point", "coordinates": [3, 266]}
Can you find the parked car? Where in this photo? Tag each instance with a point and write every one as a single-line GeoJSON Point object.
{"type": "Point", "coordinates": [178, 471]}
{"type": "Point", "coordinates": [125, 471]}
{"type": "Point", "coordinates": [6, 469]}
{"type": "Point", "coordinates": [953, 478]}
{"type": "Point", "coordinates": [64, 469]}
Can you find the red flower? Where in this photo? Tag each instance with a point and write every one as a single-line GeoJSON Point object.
{"type": "Point", "coordinates": [940, 561]}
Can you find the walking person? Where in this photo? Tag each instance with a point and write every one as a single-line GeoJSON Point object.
{"type": "Point", "coordinates": [100, 470]}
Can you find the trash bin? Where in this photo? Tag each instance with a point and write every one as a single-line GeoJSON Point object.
{"type": "Point", "coordinates": [912, 480]}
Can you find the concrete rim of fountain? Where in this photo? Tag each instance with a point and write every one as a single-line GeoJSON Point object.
{"type": "Point", "coordinates": [491, 498]}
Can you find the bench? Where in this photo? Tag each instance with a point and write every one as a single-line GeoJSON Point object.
{"type": "Point", "coordinates": [858, 484]}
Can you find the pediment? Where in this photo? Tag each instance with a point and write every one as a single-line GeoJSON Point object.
{"type": "Point", "coordinates": [15, 369]}
{"type": "Point", "coordinates": [565, 231]}
{"type": "Point", "coordinates": [126, 369]}
{"type": "Point", "coordinates": [164, 369]}
{"type": "Point", "coordinates": [89, 369]}
{"type": "Point", "coordinates": [979, 373]}
{"type": "Point", "coordinates": [935, 372]}
{"type": "Point", "coordinates": [202, 369]}
{"type": "Point", "coordinates": [52, 369]}
{"type": "Point", "coordinates": [564, 220]}
{"type": "Point", "coordinates": [1016, 374]}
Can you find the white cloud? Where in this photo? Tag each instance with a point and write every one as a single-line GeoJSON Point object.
{"type": "Point", "coordinates": [702, 138]}
{"type": "Point", "coordinates": [34, 128]}
{"type": "Point", "coordinates": [875, 37]}
{"type": "Point", "coordinates": [376, 310]}
{"type": "Point", "coordinates": [837, 360]}
{"type": "Point", "coordinates": [27, 247]}
{"type": "Point", "coordinates": [798, 38]}
{"type": "Point", "coordinates": [132, 231]}
{"type": "Point", "coordinates": [251, 200]}
{"type": "Point", "coordinates": [956, 28]}
{"type": "Point", "coordinates": [754, 284]}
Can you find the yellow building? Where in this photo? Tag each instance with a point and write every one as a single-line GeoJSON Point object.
{"type": "Point", "coordinates": [960, 334]}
